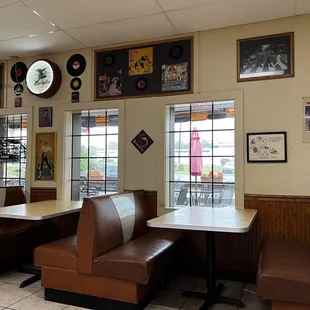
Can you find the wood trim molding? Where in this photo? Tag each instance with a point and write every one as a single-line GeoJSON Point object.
{"type": "Point", "coordinates": [43, 193]}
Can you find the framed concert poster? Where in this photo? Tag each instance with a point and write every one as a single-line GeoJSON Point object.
{"type": "Point", "coordinates": [265, 58]}
{"type": "Point", "coordinates": [45, 156]}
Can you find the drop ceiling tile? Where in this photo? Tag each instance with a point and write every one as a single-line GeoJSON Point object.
{"type": "Point", "coordinates": [302, 7]}
{"type": "Point", "coordinates": [123, 31]}
{"type": "Point", "coordinates": [7, 2]}
{"type": "Point", "coordinates": [229, 13]}
{"type": "Point", "coordinates": [17, 21]}
{"type": "Point", "coordinates": [66, 14]}
{"type": "Point", "coordinates": [38, 45]}
{"type": "Point", "coordinates": [170, 5]}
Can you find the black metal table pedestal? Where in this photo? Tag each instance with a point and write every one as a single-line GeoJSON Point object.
{"type": "Point", "coordinates": [213, 296]}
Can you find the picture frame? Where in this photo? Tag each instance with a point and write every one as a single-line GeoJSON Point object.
{"type": "Point", "coordinates": [45, 156]}
{"type": "Point", "coordinates": [305, 117]}
{"type": "Point", "coordinates": [267, 147]}
{"type": "Point", "coordinates": [46, 117]}
{"type": "Point", "coordinates": [267, 57]}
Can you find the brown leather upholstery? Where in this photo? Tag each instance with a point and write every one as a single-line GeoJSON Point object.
{"type": "Point", "coordinates": [114, 257]}
{"type": "Point", "coordinates": [137, 260]}
{"type": "Point", "coordinates": [284, 272]}
{"type": "Point", "coordinates": [58, 254]}
{"type": "Point", "coordinates": [18, 238]}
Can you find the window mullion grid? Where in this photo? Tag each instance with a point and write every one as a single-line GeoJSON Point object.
{"type": "Point", "coordinates": [20, 150]}
{"type": "Point", "coordinates": [88, 140]}
{"type": "Point", "coordinates": [212, 153]}
{"type": "Point", "coordinates": [106, 151]}
{"type": "Point", "coordinates": [190, 154]}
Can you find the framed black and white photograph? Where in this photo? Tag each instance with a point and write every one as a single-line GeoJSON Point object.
{"type": "Point", "coordinates": [266, 147]}
{"type": "Point", "coordinates": [263, 58]}
{"type": "Point", "coordinates": [306, 119]}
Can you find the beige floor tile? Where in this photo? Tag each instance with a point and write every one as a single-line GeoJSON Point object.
{"type": "Point", "coordinates": [232, 289]}
{"type": "Point", "coordinates": [192, 304]}
{"type": "Point", "coordinates": [249, 287]}
{"type": "Point", "coordinates": [168, 299]}
{"type": "Point", "coordinates": [24, 276]}
{"type": "Point", "coordinates": [184, 283]}
{"type": "Point", "coordinates": [36, 302]}
{"type": "Point", "coordinates": [223, 307]}
{"type": "Point", "coordinates": [8, 276]}
{"type": "Point", "coordinates": [11, 293]}
{"type": "Point", "coordinates": [252, 302]}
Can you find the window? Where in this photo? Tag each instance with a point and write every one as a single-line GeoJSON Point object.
{"type": "Point", "coordinates": [201, 154]}
{"type": "Point", "coordinates": [13, 128]}
{"type": "Point", "coordinates": [94, 153]}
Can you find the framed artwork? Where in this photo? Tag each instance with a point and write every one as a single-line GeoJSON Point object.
{"type": "Point", "coordinates": [45, 156]}
{"type": "Point", "coordinates": [46, 117]}
{"type": "Point", "coordinates": [306, 119]}
{"type": "Point", "coordinates": [263, 58]}
{"type": "Point", "coordinates": [266, 147]}
{"type": "Point", "coordinates": [150, 69]}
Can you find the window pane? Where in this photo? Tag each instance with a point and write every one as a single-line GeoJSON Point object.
{"type": "Point", "coordinates": [224, 115]}
{"type": "Point", "coordinates": [201, 153]}
{"type": "Point", "coordinates": [96, 164]}
{"type": "Point", "coordinates": [224, 143]}
{"type": "Point", "coordinates": [97, 146]}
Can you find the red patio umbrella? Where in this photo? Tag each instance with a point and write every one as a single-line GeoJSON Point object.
{"type": "Point", "coordinates": [196, 156]}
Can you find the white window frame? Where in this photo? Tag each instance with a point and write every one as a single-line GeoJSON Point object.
{"type": "Point", "coordinates": [29, 174]}
{"type": "Point", "coordinates": [64, 186]}
{"type": "Point", "coordinates": [163, 163]}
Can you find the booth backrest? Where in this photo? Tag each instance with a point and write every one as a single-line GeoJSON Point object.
{"type": "Point", "coordinates": [12, 195]}
{"type": "Point", "coordinates": [107, 222]}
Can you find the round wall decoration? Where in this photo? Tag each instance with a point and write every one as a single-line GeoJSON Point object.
{"type": "Point", "coordinates": [176, 51]}
{"type": "Point", "coordinates": [43, 78]}
{"type": "Point", "coordinates": [18, 72]}
{"type": "Point", "coordinates": [75, 84]}
{"type": "Point", "coordinates": [76, 65]}
{"type": "Point", "coordinates": [141, 84]}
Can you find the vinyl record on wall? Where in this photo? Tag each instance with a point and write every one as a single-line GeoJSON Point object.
{"type": "Point", "coordinates": [76, 65]}
{"type": "Point", "coordinates": [109, 60]}
{"type": "Point", "coordinates": [18, 72]}
{"type": "Point", "coordinates": [141, 84]}
{"type": "Point", "coordinates": [18, 89]}
{"type": "Point", "coordinates": [176, 51]}
{"type": "Point", "coordinates": [75, 83]}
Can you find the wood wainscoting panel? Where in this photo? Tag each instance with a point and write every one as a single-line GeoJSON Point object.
{"type": "Point", "coordinates": [42, 194]}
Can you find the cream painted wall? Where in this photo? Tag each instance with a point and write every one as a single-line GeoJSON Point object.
{"type": "Point", "coordinates": [268, 106]}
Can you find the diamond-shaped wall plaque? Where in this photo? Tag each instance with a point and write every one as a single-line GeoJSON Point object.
{"type": "Point", "coordinates": [142, 141]}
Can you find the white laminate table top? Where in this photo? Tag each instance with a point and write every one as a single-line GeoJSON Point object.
{"type": "Point", "coordinates": [207, 219]}
{"type": "Point", "coordinates": [42, 210]}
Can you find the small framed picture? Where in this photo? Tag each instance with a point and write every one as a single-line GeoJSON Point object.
{"type": "Point", "coordinates": [306, 119]}
{"type": "Point", "coordinates": [264, 58]}
{"type": "Point", "coordinates": [46, 117]}
{"type": "Point", "coordinates": [266, 147]}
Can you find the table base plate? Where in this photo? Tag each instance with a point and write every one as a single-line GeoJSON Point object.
{"type": "Point", "coordinates": [215, 298]}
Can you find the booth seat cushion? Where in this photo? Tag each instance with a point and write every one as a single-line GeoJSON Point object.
{"type": "Point", "coordinates": [284, 272]}
{"type": "Point", "coordinates": [58, 254]}
{"type": "Point", "coordinates": [138, 259]}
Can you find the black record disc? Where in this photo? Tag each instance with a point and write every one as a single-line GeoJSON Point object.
{"type": "Point", "coordinates": [76, 65]}
{"type": "Point", "coordinates": [76, 84]}
{"type": "Point", "coordinates": [18, 89]}
{"type": "Point", "coordinates": [109, 60]}
{"type": "Point", "coordinates": [141, 84]}
{"type": "Point", "coordinates": [18, 72]}
{"type": "Point", "coordinates": [176, 51]}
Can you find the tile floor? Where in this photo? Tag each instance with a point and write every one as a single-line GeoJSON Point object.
{"type": "Point", "coordinates": [31, 298]}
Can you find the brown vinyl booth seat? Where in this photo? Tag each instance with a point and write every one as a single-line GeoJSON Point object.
{"type": "Point", "coordinates": [284, 275]}
{"type": "Point", "coordinates": [113, 256]}
{"type": "Point", "coordinates": [18, 238]}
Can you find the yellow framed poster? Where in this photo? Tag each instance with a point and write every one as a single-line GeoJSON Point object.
{"type": "Point", "coordinates": [45, 156]}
